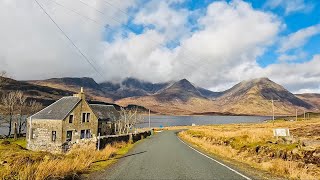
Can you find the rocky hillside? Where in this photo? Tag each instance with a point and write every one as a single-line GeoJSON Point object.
{"type": "Point", "coordinates": [109, 91]}
{"type": "Point", "coordinates": [43, 94]}
{"type": "Point", "coordinates": [181, 97]}
{"type": "Point", "coordinates": [254, 97]}
{"type": "Point", "coordinates": [311, 98]}
{"type": "Point", "coordinates": [92, 89]}
{"type": "Point", "coordinates": [182, 90]}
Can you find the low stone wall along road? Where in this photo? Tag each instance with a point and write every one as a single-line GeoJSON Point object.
{"type": "Point", "coordinates": [164, 156]}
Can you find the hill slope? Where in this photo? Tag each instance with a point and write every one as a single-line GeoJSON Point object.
{"type": "Point", "coordinates": [43, 94]}
{"type": "Point", "coordinates": [254, 97]}
{"type": "Point", "coordinates": [180, 98]}
{"type": "Point", "coordinates": [92, 89]}
{"type": "Point", "coordinates": [311, 98]}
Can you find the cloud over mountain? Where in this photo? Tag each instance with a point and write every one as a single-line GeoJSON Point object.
{"type": "Point", "coordinates": [157, 41]}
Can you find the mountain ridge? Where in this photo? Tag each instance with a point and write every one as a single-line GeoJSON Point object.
{"type": "Point", "coordinates": [182, 97]}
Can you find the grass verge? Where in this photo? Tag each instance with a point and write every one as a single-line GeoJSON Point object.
{"type": "Point", "coordinates": [253, 144]}
{"type": "Point", "coordinates": [16, 162]}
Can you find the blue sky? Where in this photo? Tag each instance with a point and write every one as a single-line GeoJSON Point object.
{"type": "Point", "coordinates": [305, 14]}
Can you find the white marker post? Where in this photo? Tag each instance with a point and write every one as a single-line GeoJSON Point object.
{"type": "Point", "coordinates": [149, 120]}
{"type": "Point", "coordinates": [98, 141]}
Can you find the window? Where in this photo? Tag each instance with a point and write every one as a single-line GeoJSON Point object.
{"type": "Point", "coordinates": [54, 136]}
{"type": "Point", "coordinates": [83, 117]}
{"type": "Point", "coordinates": [88, 117]}
{"type": "Point", "coordinates": [70, 118]}
{"type": "Point", "coordinates": [88, 134]}
{"type": "Point", "coordinates": [83, 134]}
{"type": "Point", "coordinates": [33, 135]}
{"type": "Point", "coordinates": [69, 136]}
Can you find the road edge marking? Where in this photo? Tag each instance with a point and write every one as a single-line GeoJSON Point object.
{"type": "Point", "coordinates": [235, 171]}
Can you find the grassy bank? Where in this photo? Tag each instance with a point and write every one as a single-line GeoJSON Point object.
{"type": "Point", "coordinates": [16, 162]}
{"type": "Point", "coordinates": [297, 157]}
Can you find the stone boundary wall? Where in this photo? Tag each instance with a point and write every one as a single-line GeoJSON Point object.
{"type": "Point", "coordinates": [12, 136]}
{"type": "Point", "coordinates": [105, 140]}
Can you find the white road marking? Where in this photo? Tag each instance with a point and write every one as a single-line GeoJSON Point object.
{"type": "Point", "coordinates": [246, 177]}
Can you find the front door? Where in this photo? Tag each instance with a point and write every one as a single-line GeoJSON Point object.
{"type": "Point", "coordinates": [69, 136]}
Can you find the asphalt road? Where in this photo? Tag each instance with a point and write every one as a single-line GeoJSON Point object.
{"type": "Point", "coordinates": [164, 156]}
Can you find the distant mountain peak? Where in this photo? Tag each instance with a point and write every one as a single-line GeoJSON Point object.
{"type": "Point", "coordinates": [259, 89]}
{"type": "Point", "coordinates": [183, 90]}
{"type": "Point", "coordinates": [183, 83]}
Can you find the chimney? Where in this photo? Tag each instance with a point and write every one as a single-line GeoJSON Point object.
{"type": "Point", "coordinates": [80, 95]}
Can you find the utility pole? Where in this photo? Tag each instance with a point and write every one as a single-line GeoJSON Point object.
{"type": "Point", "coordinates": [272, 110]}
{"type": "Point", "coordinates": [296, 114]}
{"type": "Point", "coordinates": [272, 102]}
{"type": "Point", "coordinates": [304, 114]}
{"type": "Point", "coordinates": [149, 120]}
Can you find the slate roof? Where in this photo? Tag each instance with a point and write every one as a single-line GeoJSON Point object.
{"type": "Point", "coordinates": [105, 112]}
{"type": "Point", "coordinates": [59, 109]}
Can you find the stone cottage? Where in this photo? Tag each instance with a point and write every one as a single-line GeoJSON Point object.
{"type": "Point", "coordinates": [68, 121]}
{"type": "Point", "coordinates": [106, 115]}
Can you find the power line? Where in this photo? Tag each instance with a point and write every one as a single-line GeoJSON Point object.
{"type": "Point", "coordinates": [184, 48]}
{"type": "Point", "coordinates": [74, 11]}
{"type": "Point", "coordinates": [127, 26]}
{"type": "Point", "coordinates": [66, 36]}
{"type": "Point", "coordinates": [133, 30]}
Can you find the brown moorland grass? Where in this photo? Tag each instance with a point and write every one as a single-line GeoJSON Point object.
{"type": "Point", "coordinates": [18, 163]}
{"type": "Point", "coordinates": [254, 145]}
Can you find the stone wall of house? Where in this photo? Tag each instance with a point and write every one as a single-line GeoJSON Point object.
{"type": "Point", "coordinates": [105, 128]}
{"type": "Point", "coordinates": [41, 136]}
{"type": "Point", "coordinates": [105, 140]}
{"type": "Point", "coordinates": [77, 125]}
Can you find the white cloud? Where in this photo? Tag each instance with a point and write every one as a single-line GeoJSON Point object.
{"type": "Point", "coordinates": [297, 77]}
{"type": "Point", "coordinates": [299, 38]}
{"type": "Point", "coordinates": [231, 34]}
{"type": "Point", "coordinates": [290, 6]}
{"type": "Point", "coordinates": [223, 51]}
{"type": "Point", "coordinates": [292, 57]}
{"type": "Point", "coordinates": [170, 22]}
{"type": "Point", "coordinates": [32, 47]}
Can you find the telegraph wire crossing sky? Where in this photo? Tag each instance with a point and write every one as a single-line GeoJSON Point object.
{"type": "Point", "coordinates": [214, 44]}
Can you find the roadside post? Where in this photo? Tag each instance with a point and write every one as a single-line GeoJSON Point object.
{"type": "Point", "coordinates": [98, 141]}
{"type": "Point", "coordinates": [149, 120]}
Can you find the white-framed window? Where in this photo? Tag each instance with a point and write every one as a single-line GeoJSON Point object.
{"type": "Point", "coordinates": [69, 136]}
{"type": "Point", "coordinates": [88, 117]}
{"type": "Point", "coordinates": [83, 134]}
{"type": "Point", "coordinates": [88, 133]}
{"type": "Point", "coordinates": [54, 136]}
{"type": "Point", "coordinates": [71, 117]}
{"type": "Point", "coordinates": [85, 117]}
{"type": "Point", "coordinates": [33, 135]}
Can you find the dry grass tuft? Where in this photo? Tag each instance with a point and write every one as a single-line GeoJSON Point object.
{"type": "Point", "coordinates": [18, 163]}
{"type": "Point", "coordinates": [254, 144]}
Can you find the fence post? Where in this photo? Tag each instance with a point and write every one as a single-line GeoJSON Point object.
{"type": "Point", "coordinates": [130, 138]}
{"type": "Point", "coordinates": [98, 141]}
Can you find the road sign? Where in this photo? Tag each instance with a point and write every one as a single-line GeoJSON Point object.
{"type": "Point", "coordinates": [281, 132]}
